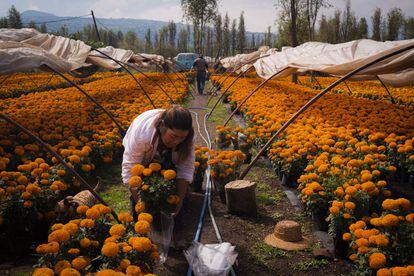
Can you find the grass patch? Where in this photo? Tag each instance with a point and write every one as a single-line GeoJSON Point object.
{"type": "Point", "coordinates": [268, 199]}
{"type": "Point", "coordinates": [261, 253]}
{"type": "Point", "coordinates": [309, 264]}
{"type": "Point", "coordinates": [276, 215]}
{"type": "Point", "coordinates": [112, 190]}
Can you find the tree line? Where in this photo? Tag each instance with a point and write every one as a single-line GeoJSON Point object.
{"type": "Point", "coordinates": [214, 34]}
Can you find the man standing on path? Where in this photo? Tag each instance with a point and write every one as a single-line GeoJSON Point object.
{"type": "Point", "coordinates": [200, 66]}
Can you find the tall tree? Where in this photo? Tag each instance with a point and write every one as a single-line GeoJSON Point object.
{"type": "Point", "coordinates": [376, 20]}
{"type": "Point", "coordinates": [172, 33]}
{"type": "Point", "coordinates": [200, 13]}
{"type": "Point", "coordinates": [43, 28]}
{"type": "Point", "coordinates": [348, 24]}
{"type": "Point", "coordinates": [394, 23]}
{"type": "Point", "coordinates": [312, 9]}
{"type": "Point", "coordinates": [408, 32]}
{"type": "Point", "coordinates": [148, 41]}
{"type": "Point", "coordinates": [3, 22]}
{"type": "Point", "coordinates": [218, 32]}
{"type": "Point", "coordinates": [182, 43]}
{"type": "Point", "coordinates": [253, 42]}
{"type": "Point", "coordinates": [226, 35]}
{"type": "Point", "coordinates": [268, 37]}
{"type": "Point", "coordinates": [362, 28]}
{"type": "Point", "coordinates": [209, 43]}
{"type": "Point", "coordinates": [233, 37]}
{"type": "Point", "coordinates": [241, 33]}
{"type": "Point", "coordinates": [131, 41]}
{"type": "Point", "coordinates": [14, 19]}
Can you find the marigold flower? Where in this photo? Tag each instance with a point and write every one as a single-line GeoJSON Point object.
{"type": "Point", "coordinates": [43, 271]}
{"type": "Point", "coordinates": [146, 217]}
{"type": "Point", "coordinates": [390, 220]}
{"type": "Point", "coordinates": [147, 172]}
{"type": "Point", "coordinates": [110, 249]}
{"type": "Point", "coordinates": [92, 213]}
{"type": "Point", "coordinates": [142, 227]}
{"type": "Point", "coordinates": [117, 230]}
{"type": "Point", "coordinates": [59, 236]}
{"type": "Point", "coordinates": [383, 272]}
{"type": "Point", "coordinates": [85, 242]}
{"type": "Point", "coordinates": [70, 272]}
{"type": "Point", "coordinates": [142, 244]}
{"type": "Point", "coordinates": [80, 263]}
{"type": "Point", "coordinates": [61, 265]}
{"type": "Point", "coordinates": [125, 217]}
{"type": "Point", "coordinates": [169, 174]}
{"type": "Point", "coordinates": [140, 207]}
{"type": "Point", "coordinates": [133, 270]}
{"type": "Point", "coordinates": [135, 181]}
{"type": "Point", "coordinates": [137, 170]}
{"type": "Point", "coordinates": [377, 260]}
{"type": "Point", "coordinates": [87, 223]}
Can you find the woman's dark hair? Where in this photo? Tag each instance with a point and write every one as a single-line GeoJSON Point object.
{"type": "Point", "coordinates": [178, 117]}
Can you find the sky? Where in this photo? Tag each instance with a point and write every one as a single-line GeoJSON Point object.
{"type": "Point", "coordinates": [258, 13]}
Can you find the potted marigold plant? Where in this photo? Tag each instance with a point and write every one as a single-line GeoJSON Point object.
{"type": "Point", "coordinates": [94, 243]}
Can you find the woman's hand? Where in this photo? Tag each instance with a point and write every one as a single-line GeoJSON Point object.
{"type": "Point", "coordinates": [182, 189]}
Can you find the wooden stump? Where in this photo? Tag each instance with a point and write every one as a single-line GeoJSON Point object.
{"type": "Point", "coordinates": [241, 197]}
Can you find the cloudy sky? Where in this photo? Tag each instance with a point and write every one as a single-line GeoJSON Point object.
{"type": "Point", "coordinates": [258, 13]}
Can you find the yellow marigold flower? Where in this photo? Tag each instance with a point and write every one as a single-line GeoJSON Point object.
{"type": "Point", "coordinates": [145, 216]}
{"type": "Point", "coordinates": [390, 204]}
{"type": "Point", "coordinates": [377, 260]}
{"type": "Point", "coordinates": [390, 220]}
{"type": "Point", "coordinates": [70, 272]}
{"type": "Point", "coordinates": [142, 244]}
{"type": "Point", "coordinates": [61, 265]}
{"type": "Point", "coordinates": [92, 213]}
{"type": "Point", "coordinates": [87, 223]}
{"type": "Point", "coordinates": [135, 181]}
{"type": "Point", "coordinates": [125, 217]}
{"type": "Point", "coordinates": [140, 207]}
{"type": "Point", "coordinates": [142, 227]}
{"type": "Point", "coordinates": [74, 251]}
{"type": "Point", "coordinates": [169, 174]}
{"type": "Point", "coordinates": [137, 170]}
{"type": "Point", "coordinates": [43, 271]}
{"type": "Point", "coordinates": [110, 249]}
{"type": "Point", "coordinates": [85, 242]}
{"type": "Point", "coordinates": [147, 172]}
{"type": "Point", "coordinates": [117, 230]}
{"type": "Point", "coordinates": [155, 167]}
{"type": "Point", "coordinates": [59, 236]}
{"type": "Point", "coordinates": [79, 263]}
{"type": "Point", "coordinates": [383, 272]}
{"type": "Point", "coordinates": [133, 270]}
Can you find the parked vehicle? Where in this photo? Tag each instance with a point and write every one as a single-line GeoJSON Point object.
{"type": "Point", "coordinates": [184, 61]}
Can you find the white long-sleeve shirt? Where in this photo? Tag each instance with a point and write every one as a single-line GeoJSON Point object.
{"type": "Point", "coordinates": [140, 143]}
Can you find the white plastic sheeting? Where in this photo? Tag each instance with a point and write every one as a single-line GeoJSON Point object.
{"type": "Point", "coordinates": [340, 59]}
{"type": "Point", "coordinates": [25, 49]}
{"type": "Point", "coordinates": [241, 59]}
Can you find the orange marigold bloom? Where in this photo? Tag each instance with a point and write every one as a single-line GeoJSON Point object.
{"type": "Point", "coordinates": [140, 207]}
{"type": "Point", "coordinates": [142, 244]}
{"type": "Point", "coordinates": [74, 251]}
{"type": "Point", "coordinates": [390, 220]}
{"type": "Point", "coordinates": [59, 236]}
{"type": "Point", "coordinates": [82, 209]}
{"type": "Point", "coordinates": [85, 242]}
{"type": "Point", "coordinates": [117, 230]}
{"type": "Point", "coordinates": [145, 216]}
{"type": "Point", "coordinates": [142, 227]}
{"type": "Point", "coordinates": [377, 260]}
{"type": "Point", "coordinates": [110, 249]}
{"type": "Point", "coordinates": [125, 217]}
{"type": "Point", "coordinates": [169, 174]}
{"type": "Point", "coordinates": [135, 181]}
{"type": "Point", "coordinates": [133, 270]}
{"type": "Point", "coordinates": [147, 172]}
{"type": "Point", "coordinates": [137, 169]}
{"type": "Point", "coordinates": [390, 204]}
{"type": "Point", "coordinates": [383, 272]}
{"type": "Point", "coordinates": [79, 263]}
{"type": "Point", "coordinates": [61, 265]}
{"type": "Point", "coordinates": [87, 223]}
{"type": "Point", "coordinates": [124, 263]}
{"type": "Point", "coordinates": [404, 203]}
{"type": "Point", "coordinates": [43, 271]}
{"type": "Point", "coordinates": [346, 237]}
{"type": "Point", "coordinates": [70, 272]}
{"type": "Point", "coordinates": [92, 213]}
{"type": "Point", "coordinates": [155, 167]}
{"type": "Point", "coordinates": [410, 218]}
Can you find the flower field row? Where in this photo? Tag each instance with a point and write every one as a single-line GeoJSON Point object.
{"type": "Point", "coordinates": [345, 154]}
{"type": "Point", "coordinates": [31, 182]}
{"type": "Point", "coordinates": [365, 89]}
{"type": "Point", "coordinates": [23, 83]}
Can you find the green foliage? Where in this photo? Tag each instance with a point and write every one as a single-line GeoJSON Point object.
{"type": "Point", "coordinates": [309, 264]}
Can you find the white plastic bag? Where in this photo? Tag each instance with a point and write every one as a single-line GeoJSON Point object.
{"type": "Point", "coordinates": [211, 259]}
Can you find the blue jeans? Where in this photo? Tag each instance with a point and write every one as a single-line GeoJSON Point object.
{"type": "Point", "coordinates": [201, 80]}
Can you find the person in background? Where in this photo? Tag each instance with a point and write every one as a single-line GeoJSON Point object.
{"type": "Point", "coordinates": [200, 66]}
{"type": "Point", "coordinates": [165, 135]}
